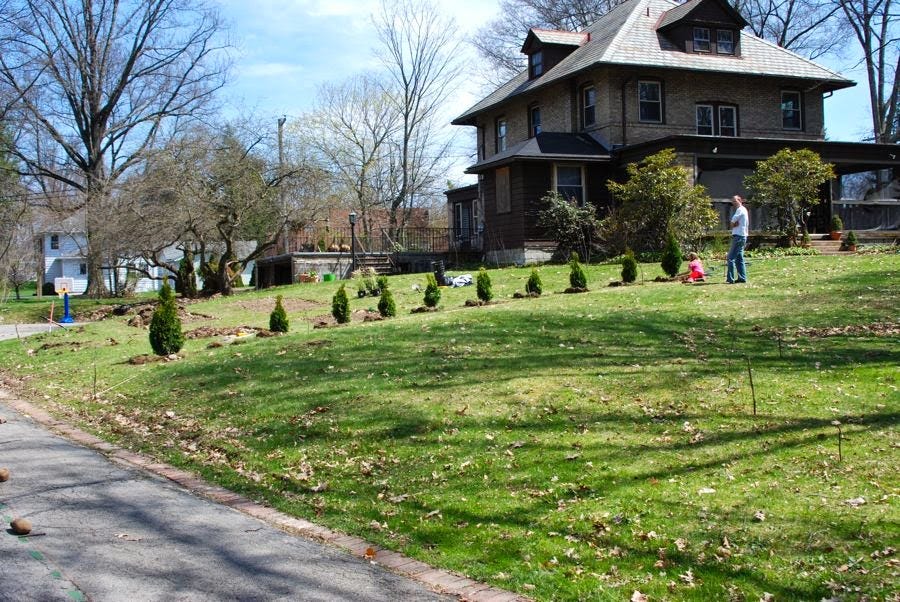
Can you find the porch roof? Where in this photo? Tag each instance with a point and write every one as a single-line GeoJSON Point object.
{"type": "Point", "coordinates": [555, 146]}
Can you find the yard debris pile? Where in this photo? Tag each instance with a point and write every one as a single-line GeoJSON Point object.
{"type": "Point", "coordinates": [143, 312]}
{"type": "Point", "coordinates": [267, 303]}
{"type": "Point", "coordinates": [205, 332]}
{"type": "Point", "coordinates": [360, 315]}
{"type": "Point", "coordinates": [878, 329]}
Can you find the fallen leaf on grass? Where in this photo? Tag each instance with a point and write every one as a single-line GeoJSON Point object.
{"type": "Point", "coordinates": [639, 597]}
{"type": "Point", "coordinates": [706, 491]}
{"type": "Point", "coordinates": [855, 502]}
{"type": "Point", "coordinates": [759, 516]}
{"type": "Point", "coordinates": [370, 553]}
{"type": "Point", "coordinates": [680, 544]}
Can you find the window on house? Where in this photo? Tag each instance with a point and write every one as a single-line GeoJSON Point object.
{"type": "Point", "coordinates": [705, 120]}
{"type": "Point", "coordinates": [534, 121]}
{"type": "Point", "coordinates": [570, 182]}
{"type": "Point", "coordinates": [650, 101]}
{"type": "Point", "coordinates": [82, 269]}
{"type": "Point", "coordinates": [727, 121]}
{"type": "Point", "coordinates": [791, 117]}
{"type": "Point", "coordinates": [588, 106]}
{"type": "Point", "coordinates": [701, 39]}
{"type": "Point", "coordinates": [724, 41]}
{"type": "Point", "coordinates": [536, 61]}
{"type": "Point", "coordinates": [480, 142]}
{"type": "Point", "coordinates": [501, 135]}
{"type": "Point", "coordinates": [54, 241]}
{"type": "Point", "coordinates": [502, 178]}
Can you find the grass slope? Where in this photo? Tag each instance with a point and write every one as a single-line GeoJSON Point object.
{"type": "Point", "coordinates": [568, 447]}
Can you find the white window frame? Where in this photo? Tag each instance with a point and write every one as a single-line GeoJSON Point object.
{"type": "Point", "coordinates": [712, 119]}
{"type": "Point", "coordinates": [502, 126]}
{"type": "Point", "coordinates": [798, 111]}
{"type": "Point", "coordinates": [659, 101]}
{"type": "Point", "coordinates": [54, 242]}
{"type": "Point", "coordinates": [700, 40]}
{"type": "Point", "coordinates": [582, 186]}
{"type": "Point", "coordinates": [734, 112]}
{"type": "Point", "coordinates": [589, 88]}
{"type": "Point", "coordinates": [730, 41]}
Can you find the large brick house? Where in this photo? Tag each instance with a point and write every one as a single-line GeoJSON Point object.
{"type": "Point", "coordinates": [651, 74]}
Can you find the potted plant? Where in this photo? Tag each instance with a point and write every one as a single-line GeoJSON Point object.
{"type": "Point", "coordinates": [850, 242]}
{"type": "Point", "coordinates": [837, 226]}
{"type": "Point", "coordinates": [310, 276]}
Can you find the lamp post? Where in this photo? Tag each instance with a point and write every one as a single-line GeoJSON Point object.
{"type": "Point", "coordinates": [352, 217]}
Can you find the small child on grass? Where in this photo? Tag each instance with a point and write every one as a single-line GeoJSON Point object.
{"type": "Point", "coordinates": [695, 271]}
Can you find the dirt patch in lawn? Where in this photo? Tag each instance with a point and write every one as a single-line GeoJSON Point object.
{"type": "Point", "coordinates": [360, 315]}
{"type": "Point", "coordinates": [878, 329]}
{"type": "Point", "coordinates": [267, 304]}
{"type": "Point", "coordinates": [208, 331]}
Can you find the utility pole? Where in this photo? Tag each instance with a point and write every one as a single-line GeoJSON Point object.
{"type": "Point", "coordinates": [286, 233]}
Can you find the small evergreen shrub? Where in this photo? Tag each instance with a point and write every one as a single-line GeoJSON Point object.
{"type": "Point", "coordinates": [577, 277]}
{"type": "Point", "coordinates": [851, 238]}
{"type": "Point", "coordinates": [382, 283]}
{"type": "Point", "coordinates": [836, 223]}
{"type": "Point", "coordinates": [278, 320]}
{"type": "Point", "coordinates": [629, 266]}
{"type": "Point", "coordinates": [386, 305]}
{"type": "Point", "coordinates": [534, 286]}
{"type": "Point", "coordinates": [671, 259]}
{"type": "Point", "coordinates": [483, 285]}
{"type": "Point", "coordinates": [165, 326]}
{"type": "Point", "coordinates": [432, 292]}
{"type": "Point", "coordinates": [340, 306]}
{"type": "Point", "coordinates": [252, 282]}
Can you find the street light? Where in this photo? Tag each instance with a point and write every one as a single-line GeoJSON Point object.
{"type": "Point", "coordinates": [352, 217]}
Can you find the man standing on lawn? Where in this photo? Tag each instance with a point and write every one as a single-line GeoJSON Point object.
{"type": "Point", "coordinates": [740, 227]}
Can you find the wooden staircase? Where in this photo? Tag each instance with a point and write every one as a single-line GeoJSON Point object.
{"type": "Point", "coordinates": [826, 246]}
{"type": "Point", "coordinates": [379, 262]}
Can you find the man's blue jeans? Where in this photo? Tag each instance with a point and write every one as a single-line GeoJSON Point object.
{"type": "Point", "coordinates": [736, 259]}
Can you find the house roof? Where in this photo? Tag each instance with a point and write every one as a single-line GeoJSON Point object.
{"type": "Point", "coordinates": [627, 36]}
{"type": "Point", "coordinates": [548, 145]}
{"type": "Point", "coordinates": [552, 36]}
{"type": "Point", "coordinates": [682, 11]}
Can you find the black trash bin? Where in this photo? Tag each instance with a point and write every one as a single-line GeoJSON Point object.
{"type": "Point", "coordinates": [438, 268]}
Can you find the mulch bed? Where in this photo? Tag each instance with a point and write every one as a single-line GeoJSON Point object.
{"type": "Point", "coordinates": [205, 332]}
{"type": "Point", "coordinates": [878, 329]}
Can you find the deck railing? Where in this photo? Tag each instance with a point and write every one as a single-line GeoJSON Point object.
{"type": "Point", "coordinates": [400, 240]}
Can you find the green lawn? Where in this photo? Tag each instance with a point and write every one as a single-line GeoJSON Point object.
{"type": "Point", "coordinates": [567, 447]}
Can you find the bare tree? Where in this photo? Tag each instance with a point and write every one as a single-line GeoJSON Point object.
{"type": "Point", "coordinates": [877, 31]}
{"type": "Point", "coordinates": [807, 27]}
{"type": "Point", "coordinates": [95, 82]}
{"type": "Point", "coordinates": [500, 41]}
{"type": "Point", "coordinates": [350, 129]}
{"type": "Point", "coordinates": [421, 55]}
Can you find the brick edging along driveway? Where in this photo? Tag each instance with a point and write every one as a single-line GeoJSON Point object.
{"type": "Point", "coordinates": [437, 579]}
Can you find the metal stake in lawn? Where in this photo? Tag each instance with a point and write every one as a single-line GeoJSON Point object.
{"type": "Point", "coordinates": [837, 423]}
{"type": "Point", "coordinates": [752, 389]}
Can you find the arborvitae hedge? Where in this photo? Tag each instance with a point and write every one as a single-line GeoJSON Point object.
{"type": "Point", "coordinates": [165, 326]}
{"type": "Point", "coordinates": [382, 283]}
{"type": "Point", "coordinates": [386, 305]}
{"type": "Point", "coordinates": [483, 284]}
{"type": "Point", "coordinates": [340, 306]}
{"type": "Point", "coordinates": [577, 277]}
{"type": "Point", "coordinates": [432, 292]}
{"type": "Point", "coordinates": [629, 267]}
{"type": "Point", "coordinates": [278, 320]}
{"type": "Point", "coordinates": [671, 259]}
{"type": "Point", "coordinates": [534, 286]}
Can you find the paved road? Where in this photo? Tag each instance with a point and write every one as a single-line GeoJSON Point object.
{"type": "Point", "coordinates": [104, 532]}
{"type": "Point", "coordinates": [9, 331]}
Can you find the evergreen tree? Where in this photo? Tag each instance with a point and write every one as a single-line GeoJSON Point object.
{"type": "Point", "coordinates": [629, 267]}
{"type": "Point", "coordinates": [671, 258]}
{"type": "Point", "coordinates": [483, 286]}
{"type": "Point", "coordinates": [186, 284]}
{"type": "Point", "coordinates": [340, 306]}
{"type": "Point", "coordinates": [278, 320]}
{"type": "Point", "coordinates": [432, 292]}
{"type": "Point", "coordinates": [534, 286]}
{"type": "Point", "coordinates": [165, 326]}
{"type": "Point", "coordinates": [577, 277]}
{"type": "Point", "coordinates": [386, 305]}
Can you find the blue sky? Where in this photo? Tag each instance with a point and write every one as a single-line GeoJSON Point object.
{"type": "Point", "coordinates": [285, 49]}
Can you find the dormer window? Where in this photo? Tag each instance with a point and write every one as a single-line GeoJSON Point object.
{"type": "Point", "coordinates": [701, 39]}
{"type": "Point", "coordinates": [54, 242]}
{"type": "Point", "coordinates": [536, 64]}
{"type": "Point", "coordinates": [724, 41]}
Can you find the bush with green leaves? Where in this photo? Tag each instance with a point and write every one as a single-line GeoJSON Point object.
{"type": "Point", "coordinates": [573, 228]}
{"type": "Point", "coordinates": [278, 320]}
{"type": "Point", "coordinates": [629, 266]}
{"type": "Point", "coordinates": [483, 286]}
{"type": "Point", "coordinates": [851, 238]}
{"type": "Point", "coordinates": [837, 224]}
{"type": "Point", "coordinates": [534, 286]}
{"type": "Point", "coordinates": [671, 259]}
{"type": "Point", "coordinates": [186, 283]}
{"type": "Point", "coordinates": [577, 277]}
{"type": "Point", "coordinates": [386, 305]}
{"type": "Point", "coordinates": [432, 292]}
{"type": "Point", "coordinates": [340, 306]}
{"type": "Point", "coordinates": [166, 337]}
{"type": "Point", "coordinates": [382, 282]}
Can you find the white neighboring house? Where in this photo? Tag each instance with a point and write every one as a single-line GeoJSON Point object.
{"type": "Point", "coordinates": [62, 255]}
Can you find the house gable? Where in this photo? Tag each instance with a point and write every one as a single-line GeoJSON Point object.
{"type": "Point", "coordinates": [703, 26]}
